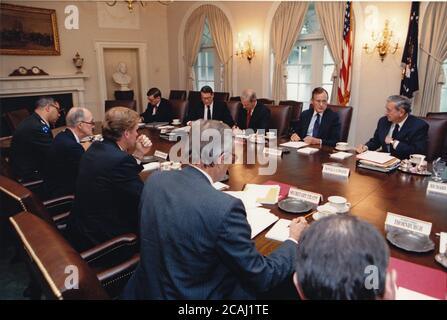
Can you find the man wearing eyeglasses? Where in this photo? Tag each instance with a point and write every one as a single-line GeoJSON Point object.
{"type": "Point", "coordinates": [64, 155]}
{"type": "Point", "coordinates": [32, 140]}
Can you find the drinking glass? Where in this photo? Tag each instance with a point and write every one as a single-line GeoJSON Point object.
{"type": "Point", "coordinates": [438, 169]}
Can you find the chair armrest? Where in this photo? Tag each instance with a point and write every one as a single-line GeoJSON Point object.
{"type": "Point", "coordinates": [59, 208]}
{"type": "Point", "coordinates": [32, 184]}
{"type": "Point", "coordinates": [115, 250]}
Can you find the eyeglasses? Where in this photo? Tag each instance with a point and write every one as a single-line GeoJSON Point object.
{"type": "Point", "coordinates": [56, 107]}
{"type": "Point", "coordinates": [92, 123]}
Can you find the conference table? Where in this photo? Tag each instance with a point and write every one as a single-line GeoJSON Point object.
{"type": "Point", "coordinates": [372, 194]}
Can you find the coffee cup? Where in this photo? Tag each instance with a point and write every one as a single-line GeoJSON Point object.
{"type": "Point", "coordinates": [271, 134]}
{"type": "Point", "coordinates": [341, 204]}
{"type": "Point", "coordinates": [176, 121]}
{"type": "Point", "coordinates": [327, 210]}
{"type": "Point", "coordinates": [342, 146]}
{"type": "Point", "coordinates": [417, 158]}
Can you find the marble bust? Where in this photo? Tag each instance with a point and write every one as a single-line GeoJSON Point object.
{"type": "Point", "coordinates": [121, 77]}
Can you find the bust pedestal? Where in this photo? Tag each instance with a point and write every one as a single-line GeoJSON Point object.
{"type": "Point", "coordinates": [124, 95]}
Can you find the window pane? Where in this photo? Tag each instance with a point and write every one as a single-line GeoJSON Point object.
{"type": "Point", "coordinates": [304, 92]}
{"type": "Point", "coordinates": [210, 75]}
{"type": "Point", "coordinates": [292, 74]}
{"type": "Point", "coordinates": [327, 73]}
{"type": "Point", "coordinates": [327, 58]}
{"type": "Point", "coordinates": [292, 91]}
{"type": "Point", "coordinates": [293, 57]}
{"type": "Point", "coordinates": [443, 106]}
{"type": "Point", "coordinates": [328, 88]}
{"type": "Point", "coordinates": [305, 74]}
{"type": "Point", "coordinates": [207, 40]}
{"type": "Point", "coordinates": [311, 24]}
{"type": "Point", "coordinates": [210, 57]}
{"type": "Point", "coordinates": [305, 54]}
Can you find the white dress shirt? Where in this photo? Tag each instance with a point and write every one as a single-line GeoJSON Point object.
{"type": "Point", "coordinates": [205, 111]}
{"type": "Point", "coordinates": [312, 123]}
{"type": "Point", "coordinates": [396, 143]}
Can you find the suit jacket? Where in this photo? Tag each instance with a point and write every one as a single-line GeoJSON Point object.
{"type": "Point", "coordinates": [412, 137]}
{"type": "Point", "coordinates": [108, 190]}
{"type": "Point", "coordinates": [163, 114]}
{"type": "Point", "coordinates": [62, 165]}
{"type": "Point", "coordinates": [220, 112]}
{"type": "Point", "coordinates": [30, 143]}
{"type": "Point", "coordinates": [330, 126]}
{"type": "Point", "coordinates": [260, 118]}
{"type": "Point", "coordinates": [195, 244]}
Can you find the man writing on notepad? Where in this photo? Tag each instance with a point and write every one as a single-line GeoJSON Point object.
{"type": "Point", "coordinates": [398, 132]}
{"type": "Point", "coordinates": [196, 241]}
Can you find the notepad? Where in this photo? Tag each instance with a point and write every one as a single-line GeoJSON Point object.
{"type": "Point", "coordinates": [294, 144]}
{"type": "Point", "coordinates": [377, 157]}
{"type": "Point", "coordinates": [280, 231]}
{"type": "Point", "coordinates": [340, 155]}
{"type": "Point", "coordinates": [265, 194]}
{"type": "Point", "coordinates": [307, 150]}
{"type": "Point", "coordinates": [151, 166]}
{"type": "Point", "coordinates": [259, 219]}
{"type": "Point", "coordinates": [443, 242]}
{"type": "Point", "coordinates": [248, 199]}
{"type": "Point", "coordinates": [407, 294]}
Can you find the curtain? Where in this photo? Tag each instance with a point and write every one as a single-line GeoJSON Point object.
{"type": "Point", "coordinates": [191, 44]}
{"type": "Point", "coordinates": [223, 41]}
{"type": "Point", "coordinates": [331, 17]}
{"type": "Point", "coordinates": [286, 26]}
{"type": "Point", "coordinates": [432, 54]}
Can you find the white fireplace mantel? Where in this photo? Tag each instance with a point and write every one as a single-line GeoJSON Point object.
{"type": "Point", "coordinates": [16, 86]}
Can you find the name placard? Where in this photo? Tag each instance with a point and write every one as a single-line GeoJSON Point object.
{"type": "Point", "coordinates": [160, 154]}
{"type": "Point", "coordinates": [272, 151]}
{"type": "Point", "coordinates": [304, 195]}
{"type": "Point", "coordinates": [406, 223]}
{"type": "Point", "coordinates": [437, 187]}
{"type": "Point", "coordinates": [338, 171]}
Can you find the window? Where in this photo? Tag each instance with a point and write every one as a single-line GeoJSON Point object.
{"type": "Point", "coordinates": [309, 64]}
{"type": "Point", "coordinates": [208, 68]}
{"type": "Point", "coordinates": [443, 106]}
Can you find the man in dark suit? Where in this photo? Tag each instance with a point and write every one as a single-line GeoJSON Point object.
{"type": "Point", "coordinates": [208, 109]}
{"type": "Point", "coordinates": [252, 114]}
{"type": "Point", "coordinates": [158, 109]}
{"type": "Point", "coordinates": [108, 186]}
{"type": "Point", "coordinates": [32, 140]}
{"type": "Point", "coordinates": [195, 240]}
{"type": "Point", "coordinates": [398, 132]}
{"type": "Point", "coordinates": [64, 155]}
{"type": "Point", "coordinates": [336, 259]}
{"type": "Point", "coordinates": [318, 124]}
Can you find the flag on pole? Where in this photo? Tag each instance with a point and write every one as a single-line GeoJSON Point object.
{"type": "Point", "coordinates": [410, 82]}
{"type": "Point", "coordinates": [344, 84]}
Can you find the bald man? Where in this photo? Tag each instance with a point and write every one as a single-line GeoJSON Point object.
{"type": "Point", "coordinates": [62, 162]}
{"type": "Point", "coordinates": [253, 114]}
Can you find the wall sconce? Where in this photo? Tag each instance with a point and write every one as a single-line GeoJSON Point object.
{"type": "Point", "coordinates": [385, 42]}
{"type": "Point", "coordinates": [245, 49]}
{"type": "Point", "coordinates": [130, 3]}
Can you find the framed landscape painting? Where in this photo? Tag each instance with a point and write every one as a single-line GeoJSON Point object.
{"type": "Point", "coordinates": [28, 31]}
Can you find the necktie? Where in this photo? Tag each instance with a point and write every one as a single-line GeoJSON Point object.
{"type": "Point", "coordinates": [395, 131]}
{"type": "Point", "coordinates": [316, 126]}
{"type": "Point", "coordinates": [208, 115]}
{"type": "Point", "coordinates": [248, 119]}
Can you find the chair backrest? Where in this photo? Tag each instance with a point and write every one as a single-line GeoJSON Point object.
{"type": "Point", "coordinates": [238, 98]}
{"type": "Point", "coordinates": [194, 98]}
{"type": "Point", "coordinates": [13, 118]}
{"type": "Point", "coordinates": [280, 119]}
{"type": "Point", "coordinates": [437, 135]}
{"type": "Point", "coordinates": [221, 96]}
{"type": "Point", "coordinates": [266, 101]}
{"type": "Point", "coordinates": [179, 109]}
{"type": "Point", "coordinates": [233, 106]}
{"type": "Point", "coordinates": [131, 104]}
{"type": "Point", "coordinates": [440, 115]}
{"type": "Point", "coordinates": [295, 108]}
{"type": "Point", "coordinates": [177, 95]}
{"type": "Point", "coordinates": [60, 270]}
{"type": "Point", "coordinates": [345, 115]}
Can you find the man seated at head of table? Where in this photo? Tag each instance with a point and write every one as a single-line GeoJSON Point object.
{"type": "Point", "coordinates": [158, 109]}
{"type": "Point", "coordinates": [195, 240]}
{"type": "Point", "coordinates": [108, 186]}
{"type": "Point", "coordinates": [343, 258]}
{"type": "Point", "coordinates": [62, 162]}
{"type": "Point", "coordinates": [253, 114]}
{"type": "Point", "coordinates": [209, 109]}
{"type": "Point", "coordinates": [319, 124]}
{"type": "Point", "coordinates": [32, 140]}
{"type": "Point", "coordinates": [398, 132]}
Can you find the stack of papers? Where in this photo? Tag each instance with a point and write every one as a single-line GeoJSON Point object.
{"type": "Point", "coordinates": [264, 194]}
{"type": "Point", "coordinates": [182, 129]}
{"type": "Point", "coordinates": [151, 166]}
{"type": "Point", "coordinates": [280, 231]}
{"type": "Point", "coordinates": [293, 144]}
{"type": "Point", "coordinates": [260, 219]}
{"type": "Point", "coordinates": [378, 161]}
{"type": "Point", "coordinates": [307, 150]}
{"type": "Point", "coordinates": [340, 155]}
{"type": "Point", "coordinates": [407, 294]}
{"type": "Point", "coordinates": [248, 199]}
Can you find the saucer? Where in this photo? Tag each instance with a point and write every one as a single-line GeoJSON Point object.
{"type": "Point", "coordinates": [347, 148]}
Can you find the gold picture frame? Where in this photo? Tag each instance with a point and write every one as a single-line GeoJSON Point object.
{"type": "Point", "coordinates": [28, 31]}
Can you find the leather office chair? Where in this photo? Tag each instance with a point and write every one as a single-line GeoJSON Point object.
{"type": "Point", "coordinates": [266, 101]}
{"type": "Point", "coordinates": [61, 271]}
{"type": "Point", "coordinates": [194, 98]}
{"type": "Point", "coordinates": [13, 118]}
{"type": "Point", "coordinates": [177, 95]}
{"type": "Point", "coordinates": [179, 109]}
{"type": "Point", "coordinates": [234, 108]}
{"type": "Point", "coordinates": [345, 114]}
{"type": "Point", "coordinates": [280, 119]}
{"type": "Point", "coordinates": [131, 104]}
{"type": "Point", "coordinates": [440, 115]}
{"type": "Point", "coordinates": [238, 98]}
{"type": "Point", "coordinates": [295, 110]}
{"type": "Point", "coordinates": [437, 133]}
{"type": "Point", "coordinates": [221, 96]}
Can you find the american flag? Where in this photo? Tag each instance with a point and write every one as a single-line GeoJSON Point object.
{"type": "Point", "coordinates": [344, 85]}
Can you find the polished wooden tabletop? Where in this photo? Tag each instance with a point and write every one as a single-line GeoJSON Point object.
{"type": "Point", "coordinates": [371, 194]}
